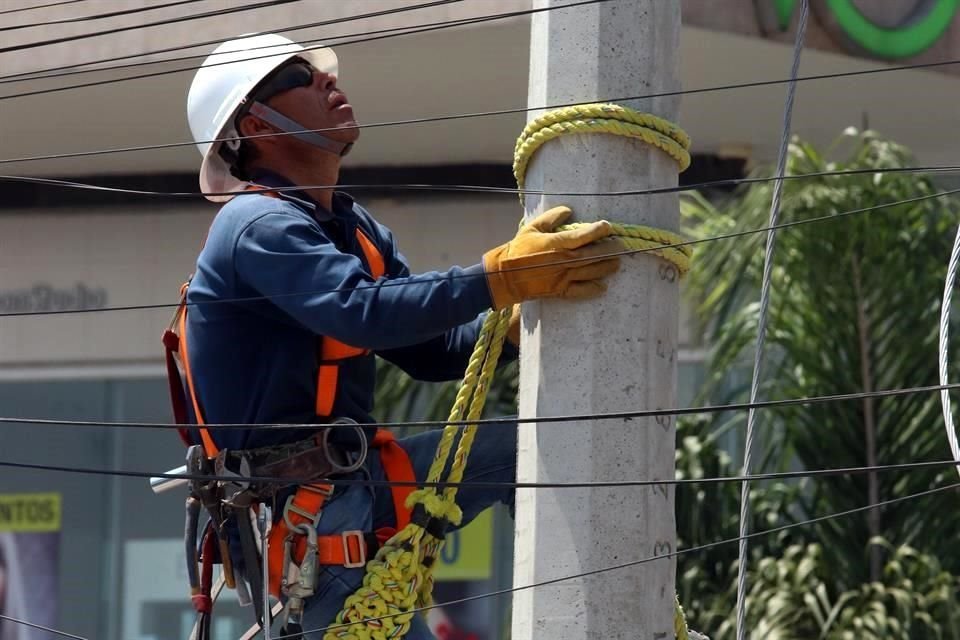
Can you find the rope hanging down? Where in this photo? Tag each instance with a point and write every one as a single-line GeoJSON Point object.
{"type": "Point", "coordinates": [399, 580]}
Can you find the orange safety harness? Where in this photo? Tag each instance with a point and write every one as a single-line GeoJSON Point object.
{"type": "Point", "coordinates": [349, 548]}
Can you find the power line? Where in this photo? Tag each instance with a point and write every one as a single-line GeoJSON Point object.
{"type": "Point", "coordinates": [477, 484]}
{"type": "Point", "coordinates": [62, 634]}
{"type": "Point", "coordinates": [395, 283]}
{"type": "Point", "coordinates": [61, 71]}
{"type": "Point", "coordinates": [98, 16]}
{"type": "Point", "coordinates": [410, 31]}
{"type": "Point", "coordinates": [472, 188]}
{"type": "Point", "coordinates": [504, 420]}
{"type": "Point", "coordinates": [648, 559]}
{"type": "Point", "coordinates": [40, 6]}
{"type": "Point", "coordinates": [145, 25]}
{"type": "Point", "coordinates": [497, 112]}
{"type": "Point", "coordinates": [18, 77]}
{"type": "Point", "coordinates": [585, 574]}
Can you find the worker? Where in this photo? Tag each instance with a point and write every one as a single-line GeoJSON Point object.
{"type": "Point", "coordinates": [289, 263]}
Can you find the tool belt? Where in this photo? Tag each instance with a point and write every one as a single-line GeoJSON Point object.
{"type": "Point", "coordinates": [294, 551]}
{"type": "Point", "coordinates": [301, 461]}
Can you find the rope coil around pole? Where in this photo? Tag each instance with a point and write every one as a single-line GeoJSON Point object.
{"type": "Point", "coordinates": [399, 579]}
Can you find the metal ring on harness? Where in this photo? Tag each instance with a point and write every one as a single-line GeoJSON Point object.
{"type": "Point", "coordinates": [364, 447]}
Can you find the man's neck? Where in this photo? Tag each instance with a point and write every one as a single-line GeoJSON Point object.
{"type": "Point", "coordinates": [317, 174]}
{"type": "Point", "coordinates": [322, 171]}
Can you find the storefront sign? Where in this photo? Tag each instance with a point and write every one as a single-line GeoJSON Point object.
{"type": "Point", "coordinates": [920, 23]}
{"type": "Point", "coordinates": [30, 512]}
{"type": "Point", "coordinates": [29, 561]}
{"type": "Point", "coordinates": [44, 296]}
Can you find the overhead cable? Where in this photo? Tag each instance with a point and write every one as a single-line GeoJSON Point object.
{"type": "Point", "coordinates": [65, 70]}
{"type": "Point", "coordinates": [498, 112]}
{"type": "Point", "coordinates": [394, 32]}
{"type": "Point", "coordinates": [40, 6]}
{"type": "Point", "coordinates": [98, 16]}
{"type": "Point", "coordinates": [665, 556]}
{"type": "Point", "coordinates": [478, 484]}
{"type": "Point", "coordinates": [648, 559]}
{"type": "Point", "coordinates": [505, 420]}
{"type": "Point", "coordinates": [142, 25]}
{"type": "Point", "coordinates": [40, 627]}
{"type": "Point", "coordinates": [397, 283]}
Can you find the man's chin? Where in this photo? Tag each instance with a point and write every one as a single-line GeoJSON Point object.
{"type": "Point", "coordinates": [349, 131]}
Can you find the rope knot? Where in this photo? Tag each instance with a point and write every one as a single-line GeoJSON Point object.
{"type": "Point", "coordinates": [430, 506]}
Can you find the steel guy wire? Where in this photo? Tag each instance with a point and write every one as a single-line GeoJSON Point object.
{"type": "Point", "coordinates": [409, 31]}
{"type": "Point", "coordinates": [648, 559]}
{"type": "Point", "coordinates": [143, 25]}
{"type": "Point", "coordinates": [395, 283]}
{"type": "Point", "coordinates": [610, 568]}
{"type": "Point", "coordinates": [59, 72]}
{"type": "Point", "coordinates": [501, 420]}
{"type": "Point", "coordinates": [62, 634]}
{"type": "Point", "coordinates": [762, 321]}
{"type": "Point", "coordinates": [480, 484]}
{"type": "Point", "coordinates": [943, 354]}
{"type": "Point", "coordinates": [98, 16]}
{"type": "Point", "coordinates": [40, 6]}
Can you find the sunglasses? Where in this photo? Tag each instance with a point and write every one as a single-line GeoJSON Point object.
{"type": "Point", "coordinates": [296, 73]}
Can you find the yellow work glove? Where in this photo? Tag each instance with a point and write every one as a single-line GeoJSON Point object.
{"type": "Point", "coordinates": [513, 331]}
{"type": "Point", "coordinates": [541, 264]}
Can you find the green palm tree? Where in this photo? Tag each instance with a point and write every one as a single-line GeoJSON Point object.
{"type": "Point", "coordinates": [854, 307]}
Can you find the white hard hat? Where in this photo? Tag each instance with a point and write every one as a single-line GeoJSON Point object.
{"type": "Point", "coordinates": [218, 91]}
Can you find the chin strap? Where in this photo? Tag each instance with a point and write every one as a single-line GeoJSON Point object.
{"type": "Point", "coordinates": [287, 125]}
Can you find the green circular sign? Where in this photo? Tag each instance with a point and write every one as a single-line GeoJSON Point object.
{"type": "Point", "coordinates": [924, 27]}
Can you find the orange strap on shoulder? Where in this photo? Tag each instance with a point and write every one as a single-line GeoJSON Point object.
{"type": "Point", "coordinates": [348, 548]}
{"type": "Point", "coordinates": [333, 351]}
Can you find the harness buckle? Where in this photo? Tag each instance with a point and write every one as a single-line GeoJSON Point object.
{"type": "Point", "coordinates": [325, 490]}
{"type": "Point", "coordinates": [359, 543]}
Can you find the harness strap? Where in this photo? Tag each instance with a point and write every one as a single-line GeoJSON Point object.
{"type": "Point", "coordinates": [298, 131]}
{"type": "Point", "coordinates": [330, 353]}
{"type": "Point", "coordinates": [209, 446]}
{"type": "Point", "coordinates": [171, 345]}
{"type": "Point", "coordinates": [397, 466]}
{"type": "Point", "coordinates": [348, 548]}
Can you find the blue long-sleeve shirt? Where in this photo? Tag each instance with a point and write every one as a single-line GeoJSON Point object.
{"type": "Point", "coordinates": [275, 273]}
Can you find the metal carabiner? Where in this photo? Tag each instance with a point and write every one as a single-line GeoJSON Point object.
{"type": "Point", "coordinates": [306, 582]}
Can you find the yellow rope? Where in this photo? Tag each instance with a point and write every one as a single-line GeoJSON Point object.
{"type": "Point", "coordinates": [399, 579]}
{"type": "Point", "coordinates": [600, 118]}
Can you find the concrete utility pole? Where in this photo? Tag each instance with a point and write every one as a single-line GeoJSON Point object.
{"type": "Point", "coordinates": [615, 354]}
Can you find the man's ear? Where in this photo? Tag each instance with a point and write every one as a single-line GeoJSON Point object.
{"type": "Point", "coordinates": [250, 125]}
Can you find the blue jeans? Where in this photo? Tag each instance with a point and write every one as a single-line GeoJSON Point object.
{"type": "Point", "coordinates": [493, 458]}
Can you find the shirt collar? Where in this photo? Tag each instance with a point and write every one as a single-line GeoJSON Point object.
{"type": "Point", "coordinates": [342, 203]}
